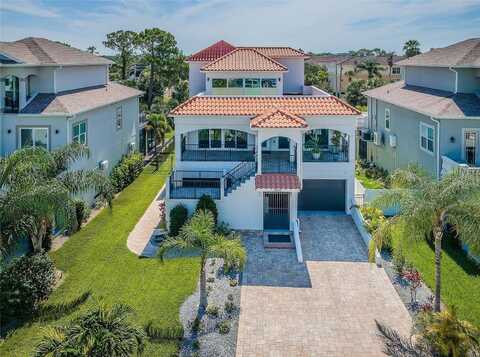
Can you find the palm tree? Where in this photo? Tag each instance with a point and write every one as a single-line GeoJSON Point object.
{"type": "Point", "coordinates": [432, 206]}
{"type": "Point", "coordinates": [37, 189]}
{"type": "Point", "coordinates": [412, 48]}
{"type": "Point", "coordinates": [102, 331]}
{"type": "Point", "coordinates": [372, 67]}
{"type": "Point", "coordinates": [198, 233]}
{"type": "Point", "coordinates": [160, 126]}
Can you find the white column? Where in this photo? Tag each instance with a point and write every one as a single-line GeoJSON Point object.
{"type": "Point", "coordinates": [22, 92]}
{"type": "Point", "coordinates": [259, 153]}
{"type": "Point", "coordinates": [2, 94]}
{"type": "Point", "coordinates": [178, 148]}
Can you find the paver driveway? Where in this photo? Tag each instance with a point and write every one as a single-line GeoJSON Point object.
{"type": "Point", "coordinates": [325, 307]}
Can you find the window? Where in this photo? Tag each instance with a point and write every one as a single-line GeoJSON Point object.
{"type": "Point", "coordinates": [33, 137]}
{"type": "Point", "coordinates": [118, 118]}
{"type": "Point", "coordinates": [29, 88]}
{"type": "Point", "coordinates": [235, 139]}
{"type": "Point", "coordinates": [269, 83]}
{"type": "Point", "coordinates": [252, 83]}
{"type": "Point", "coordinates": [203, 139]}
{"type": "Point", "coordinates": [215, 138]}
{"type": "Point", "coordinates": [12, 96]}
{"type": "Point", "coordinates": [235, 83]}
{"type": "Point", "coordinates": [219, 83]}
{"type": "Point", "coordinates": [395, 70]}
{"type": "Point", "coordinates": [79, 133]}
{"type": "Point", "coordinates": [470, 146]}
{"type": "Point", "coordinates": [283, 143]}
{"type": "Point", "coordinates": [209, 138]}
{"type": "Point", "coordinates": [387, 119]}
{"type": "Point", "coordinates": [426, 137]}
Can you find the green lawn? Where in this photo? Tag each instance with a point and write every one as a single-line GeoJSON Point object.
{"type": "Point", "coordinates": [460, 276]}
{"type": "Point", "coordinates": [97, 259]}
{"type": "Point", "coordinates": [369, 182]}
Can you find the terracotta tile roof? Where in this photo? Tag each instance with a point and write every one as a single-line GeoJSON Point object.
{"type": "Point", "coordinates": [80, 100]}
{"type": "Point", "coordinates": [245, 59]}
{"type": "Point", "coordinates": [277, 52]}
{"type": "Point", "coordinates": [277, 118]}
{"type": "Point", "coordinates": [431, 102]}
{"type": "Point", "coordinates": [40, 51]}
{"type": "Point", "coordinates": [251, 106]}
{"type": "Point", "coordinates": [212, 52]}
{"type": "Point", "coordinates": [277, 182]}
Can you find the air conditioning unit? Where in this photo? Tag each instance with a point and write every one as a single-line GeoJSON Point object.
{"type": "Point", "coordinates": [366, 135]}
{"type": "Point", "coordinates": [131, 147]}
{"type": "Point", "coordinates": [103, 165]}
{"type": "Point", "coordinates": [377, 138]}
{"type": "Point", "coordinates": [393, 141]}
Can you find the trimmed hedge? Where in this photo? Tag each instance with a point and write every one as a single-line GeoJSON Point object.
{"type": "Point", "coordinates": [206, 203]}
{"type": "Point", "coordinates": [126, 171]}
{"type": "Point", "coordinates": [178, 217]}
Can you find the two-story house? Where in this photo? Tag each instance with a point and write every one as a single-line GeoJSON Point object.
{"type": "Point", "coordinates": [432, 117]}
{"type": "Point", "coordinates": [260, 142]}
{"type": "Point", "coordinates": [52, 95]}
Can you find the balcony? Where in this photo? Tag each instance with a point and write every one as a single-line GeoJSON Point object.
{"type": "Point", "coordinates": [327, 153]}
{"type": "Point", "coordinates": [195, 152]}
{"type": "Point", "coordinates": [195, 184]}
{"type": "Point", "coordinates": [278, 162]}
{"type": "Point", "coordinates": [449, 165]}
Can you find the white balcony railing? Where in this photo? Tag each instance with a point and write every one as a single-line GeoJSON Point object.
{"type": "Point", "coordinates": [448, 165]}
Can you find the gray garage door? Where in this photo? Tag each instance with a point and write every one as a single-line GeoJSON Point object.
{"type": "Point", "coordinates": [322, 195]}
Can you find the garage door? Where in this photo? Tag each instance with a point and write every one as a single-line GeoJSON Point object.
{"type": "Point", "coordinates": [322, 195]}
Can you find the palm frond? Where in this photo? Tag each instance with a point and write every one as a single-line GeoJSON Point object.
{"type": "Point", "coordinates": [231, 250]}
{"type": "Point", "coordinates": [412, 177]}
{"type": "Point", "coordinates": [380, 235]}
{"type": "Point", "coordinates": [465, 217]}
{"type": "Point", "coordinates": [398, 346]}
{"type": "Point", "coordinates": [56, 311]}
{"type": "Point", "coordinates": [172, 243]}
{"type": "Point", "coordinates": [68, 154]}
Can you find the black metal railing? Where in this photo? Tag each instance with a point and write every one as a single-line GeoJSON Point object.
{"type": "Point", "coordinates": [195, 152]}
{"type": "Point", "coordinates": [279, 162]}
{"type": "Point", "coordinates": [327, 153]}
{"type": "Point", "coordinates": [195, 184]}
{"type": "Point", "coordinates": [238, 174]}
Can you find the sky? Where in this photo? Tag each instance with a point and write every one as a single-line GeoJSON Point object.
{"type": "Point", "coordinates": [312, 25]}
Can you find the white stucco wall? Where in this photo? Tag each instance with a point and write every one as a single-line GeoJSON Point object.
{"type": "Point", "coordinates": [294, 78]}
{"type": "Point", "coordinates": [196, 79]}
{"type": "Point", "coordinates": [74, 77]}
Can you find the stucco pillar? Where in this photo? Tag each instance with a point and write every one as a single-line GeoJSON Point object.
{"type": "Point", "coordinates": [259, 153]}
{"type": "Point", "coordinates": [22, 92]}
{"type": "Point", "coordinates": [178, 148]}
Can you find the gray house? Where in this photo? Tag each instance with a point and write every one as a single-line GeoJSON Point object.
{"type": "Point", "coordinates": [52, 95]}
{"type": "Point", "coordinates": [432, 117]}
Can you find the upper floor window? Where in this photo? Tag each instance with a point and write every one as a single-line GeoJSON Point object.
{"type": "Point", "coordinates": [426, 137]}
{"type": "Point", "coordinates": [219, 83]}
{"type": "Point", "coordinates": [387, 118]}
{"type": "Point", "coordinates": [209, 138]}
{"type": "Point", "coordinates": [79, 133]}
{"type": "Point", "coordinates": [235, 139]}
{"type": "Point", "coordinates": [252, 83]}
{"type": "Point", "coordinates": [269, 83]}
{"type": "Point", "coordinates": [33, 137]}
{"type": "Point", "coordinates": [12, 95]}
{"type": "Point", "coordinates": [235, 83]}
{"type": "Point", "coordinates": [119, 118]}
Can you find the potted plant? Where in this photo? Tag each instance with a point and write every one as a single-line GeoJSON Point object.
{"type": "Point", "coordinates": [315, 147]}
{"type": "Point", "coordinates": [336, 140]}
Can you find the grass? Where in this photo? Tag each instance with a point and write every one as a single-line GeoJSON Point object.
{"type": "Point", "coordinates": [369, 182]}
{"type": "Point", "coordinates": [96, 259]}
{"type": "Point", "coordinates": [460, 275]}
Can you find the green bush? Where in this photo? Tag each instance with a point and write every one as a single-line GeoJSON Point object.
{"type": "Point", "coordinates": [82, 211]}
{"type": "Point", "coordinates": [398, 261]}
{"type": "Point", "coordinates": [164, 333]}
{"type": "Point", "coordinates": [229, 307]}
{"type": "Point", "coordinates": [178, 217]}
{"type": "Point", "coordinates": [126, 171]}
{"type": "Point", "coordinates": [373, 220]}
{"type": "Point", "coordinates": [24, 283]}
{"type": "Point", "coordinates": [208, 204]}
{"type": "Point", "coordinates": [224, 327]}
{"type": "Point", "coordinates": [212, 310]}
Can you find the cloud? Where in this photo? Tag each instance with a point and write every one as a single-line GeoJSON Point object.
{"type": "Point", "coordinates": [28, 7]}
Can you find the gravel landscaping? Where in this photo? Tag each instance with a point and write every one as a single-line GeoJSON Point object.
{"type": "Point", "coordinates": [215, 335]}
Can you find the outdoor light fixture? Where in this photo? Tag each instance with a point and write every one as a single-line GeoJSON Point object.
{"type": "Point", "coordinates": [9, 131]}
{"type": "Point", "coordinates": [452, 139]}
{"type": "Point", "coordinates": [57, 131]}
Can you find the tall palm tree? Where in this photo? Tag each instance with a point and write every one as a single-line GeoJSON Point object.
{"type": "Point", "coordinates": [372, 67]}
{"type": "Point", "coordinates": [37, 187]}
{"type": "Point", "coordinates": [427, 205]}
{"type": "Point", "coordinates": [102, 331]}
{"type": "Point", "coordinates": [160, 126]}
{"type": "Point", "coordinates": [412, 48]}
{"type": "Point", "coordinates": [198, 233]}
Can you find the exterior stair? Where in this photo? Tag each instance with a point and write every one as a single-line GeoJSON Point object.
{"type": "Point", "coordinates": [238, 175]}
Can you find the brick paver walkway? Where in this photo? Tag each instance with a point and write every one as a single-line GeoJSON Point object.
{"type": "Point", "coordinates": [325, 307]}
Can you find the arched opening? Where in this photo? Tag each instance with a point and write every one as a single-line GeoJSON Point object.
{"type": "Point", "coordinates": [279, 155]}
{"type": "Point", "coordinates": [218, 145]}
{"type": "Point", "coordinates": [10, 86]}
{"type": "Point", "coordinates": [325, 145]}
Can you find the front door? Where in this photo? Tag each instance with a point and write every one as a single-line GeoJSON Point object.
{"type": "Point", "coordinates": [471, 147]}
{"type": "Point", "coordinates": [276, 211]}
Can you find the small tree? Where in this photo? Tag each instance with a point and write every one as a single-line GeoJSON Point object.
{"type": "Point", "coordinates": [354, 91]}
{"type": "Point", "coordinates": [160, 126]}
{"type": "Point", "coordinates": [178, 217]}
{"type": "Point", "coordinates": [206, 203]}
{"type": "Point", "coordinates": [124, 42]}
{"type": "Point", "coordinates": [199, 234]}
{"type": "Point", "coordinates": [412, 48]}
{"type": "Point", "coordinates": [372, 68]}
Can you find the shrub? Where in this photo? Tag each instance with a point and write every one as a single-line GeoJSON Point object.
{"type": "Point", "coordinates": [47, 241]}
{"type": "Point", "coordinates": [24, 283]}
{"type": "Point", "coordinates": [164, 333]}
{"type": "Point", "coordinates": [233, 282]}
{"type": "Point", "coordinates": [230, 297]}
{"type": "Point", "coordinates": [82, 211]}
{"type": "Point", "coordinates": [196, 345]}
{"type": "Point", "coordinates": [398, 262]}
{"type": "Point", "coordinates": [208, 204]}
{"type": "Point", "coordinates": [212, 310]}
{"type": "Point", "coordinates": [373, 218]}
{"type": "Point", "coordinates": [196, 324]}
{"type": "Point", "coordinates": [224, 327]}
{"type": "Point", "coordinates": [126, 171]}
{"type": "Point", "coordinates": [229, 307]}
{"type": "Point", "coordinates": [210, 280]}
{"type": "Point", "coordinates": [178, 217]}
{"type": "Point", "coordinates": [224, 229]}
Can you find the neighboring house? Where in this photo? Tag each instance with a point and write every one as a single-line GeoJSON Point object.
{"type": "Point", "coordinates": [345, 67]}
{"type": "Point", "coordinates": [433, 117]}
{"type": "Point", "coordinates": [52, 95]}
{"type": "Point", "coordinates": [244, 139]}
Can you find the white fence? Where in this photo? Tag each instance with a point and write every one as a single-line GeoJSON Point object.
{"type": "Point", "coordinates": [296, 238]}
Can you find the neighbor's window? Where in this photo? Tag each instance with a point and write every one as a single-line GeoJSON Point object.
{"type": "Point", "coordinates": [426, 137]}
{"type": "Point", "coordinates": [33, 137]}
{"type": "Point", "coordinates": [269, 83]}
{"type": "Point", "coordinates": [219, 83]}
{"type": "Point", "coordinates": [396, 70]}
{"type": "Point", "coordinates": [119, 118]}
{"type": "Point", "coordinates": [235, 83]}
{"type": "Point", "coordinates": [79, 133]}
{"type": "Point", "coordinates": [252, 83]}
{"type": "Point", "coordinates": [387, 118]}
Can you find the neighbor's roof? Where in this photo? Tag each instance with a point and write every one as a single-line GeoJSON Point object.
{"type": "Point", "coordinates": [461, 54]}
{"type": "Point", "coordinates": [277, 182]}
{"type": "Point", "coordinates": [277, 118]}
{"type": "Point", "coordinates": [79, 100]}
{"type": "Point", "coordinates": [245, 59]}
{"type": "Point", "coordinates": [251, 106]}
{"type": "Point", "coordinates": [40, 51]}
{"type": "Point", "coordinates": [432, 102]}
